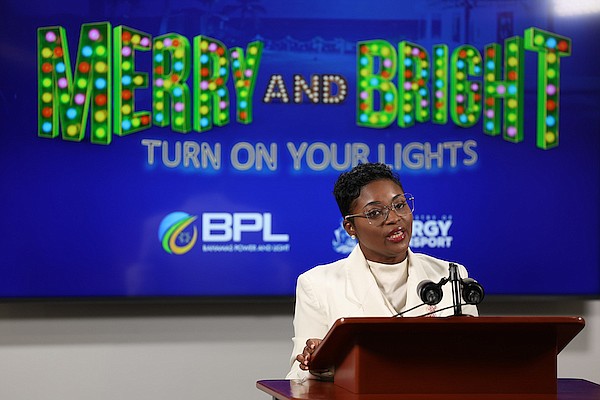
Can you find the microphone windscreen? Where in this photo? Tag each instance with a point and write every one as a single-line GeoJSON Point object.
{"type": "Point", "coordinates": [472, 291]}
{"type": "Point", "coordinates": [429, 292]}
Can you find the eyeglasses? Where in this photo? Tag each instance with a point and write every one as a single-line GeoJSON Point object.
{"type": "Point", "coordinates": [403, 205]}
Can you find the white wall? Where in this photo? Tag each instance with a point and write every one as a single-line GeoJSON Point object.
{"type": "Point", "coordinates": [153, 352]}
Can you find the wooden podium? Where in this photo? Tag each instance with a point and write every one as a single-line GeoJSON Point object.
{"type": "Point", "coordinates": [446, 356]}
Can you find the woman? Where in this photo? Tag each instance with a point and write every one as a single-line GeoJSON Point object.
{"type": "Point", "coordinates": [379, 278]}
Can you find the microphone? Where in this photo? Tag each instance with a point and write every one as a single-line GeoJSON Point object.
{"type": "Point", "coordinates": [472, 292]}
{"type": "Point", "coordinates": [430, 292]}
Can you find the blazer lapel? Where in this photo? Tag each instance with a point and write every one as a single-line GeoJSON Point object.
{"type": "Point", "coordinates": [362, 289]}
{"type": "Point", "coordinates": [416, 274]}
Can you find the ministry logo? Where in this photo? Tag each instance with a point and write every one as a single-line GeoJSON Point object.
{"type": "Point", "coordinates": [431, 231]}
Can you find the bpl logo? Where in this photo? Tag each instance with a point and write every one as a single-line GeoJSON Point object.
{"type": "Point", "coordinates": [227, 227]}
{"type": "Point", "coordinates": [174, 233]}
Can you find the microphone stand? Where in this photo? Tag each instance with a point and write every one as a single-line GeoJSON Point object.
{"type": "Point", "coordinates": [455, 282]}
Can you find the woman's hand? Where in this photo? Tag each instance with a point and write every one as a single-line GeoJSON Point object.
{"type": "Point", "coordinates": [305, 358]}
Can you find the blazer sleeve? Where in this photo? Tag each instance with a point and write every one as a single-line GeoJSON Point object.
{"type": "Point", "coordinates": [310, 320]}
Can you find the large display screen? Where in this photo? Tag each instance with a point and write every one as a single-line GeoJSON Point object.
{"type": "Point", "coordinates": [189, 148]}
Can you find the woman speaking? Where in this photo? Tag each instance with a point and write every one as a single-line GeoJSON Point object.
{"type": "Point", "coordinates": [380, 276]}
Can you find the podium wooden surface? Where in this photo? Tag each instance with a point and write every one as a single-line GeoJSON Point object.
{"type": "Point", "coordinates": [568, 389]}
{"type": "Point", "coordinates": [454, 357]}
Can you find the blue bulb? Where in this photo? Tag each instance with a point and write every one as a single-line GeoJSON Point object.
{"type": "Point", "coordinates": [100, 83]}
{"type": "Point", "coordinates": [71, 113]}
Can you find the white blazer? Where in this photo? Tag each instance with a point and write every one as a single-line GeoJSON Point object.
{"type": "Point", "coordinates": [347, 288]}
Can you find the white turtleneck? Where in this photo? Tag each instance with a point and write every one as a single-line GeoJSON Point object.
{"type": "Point", "coordinates": [391, 279]}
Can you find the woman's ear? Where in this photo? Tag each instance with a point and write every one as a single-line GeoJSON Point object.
{"type": "Point", "coordinates": [349, 227]}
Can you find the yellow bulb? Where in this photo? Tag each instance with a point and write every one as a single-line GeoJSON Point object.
{"type": "Point", "coordinates": [72, 130]}
{"type": "Point", "coordinates": [102, 68]}
{"type": "Point", "coordinates": [126, 109]}
{"type": "Point", "coordinates": [538, 39]}
{"type": "Point", "coordinates": [100, 116]}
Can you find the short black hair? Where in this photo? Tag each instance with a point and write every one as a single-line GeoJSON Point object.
{"type": "Point", "coordinates": [349, 184]}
